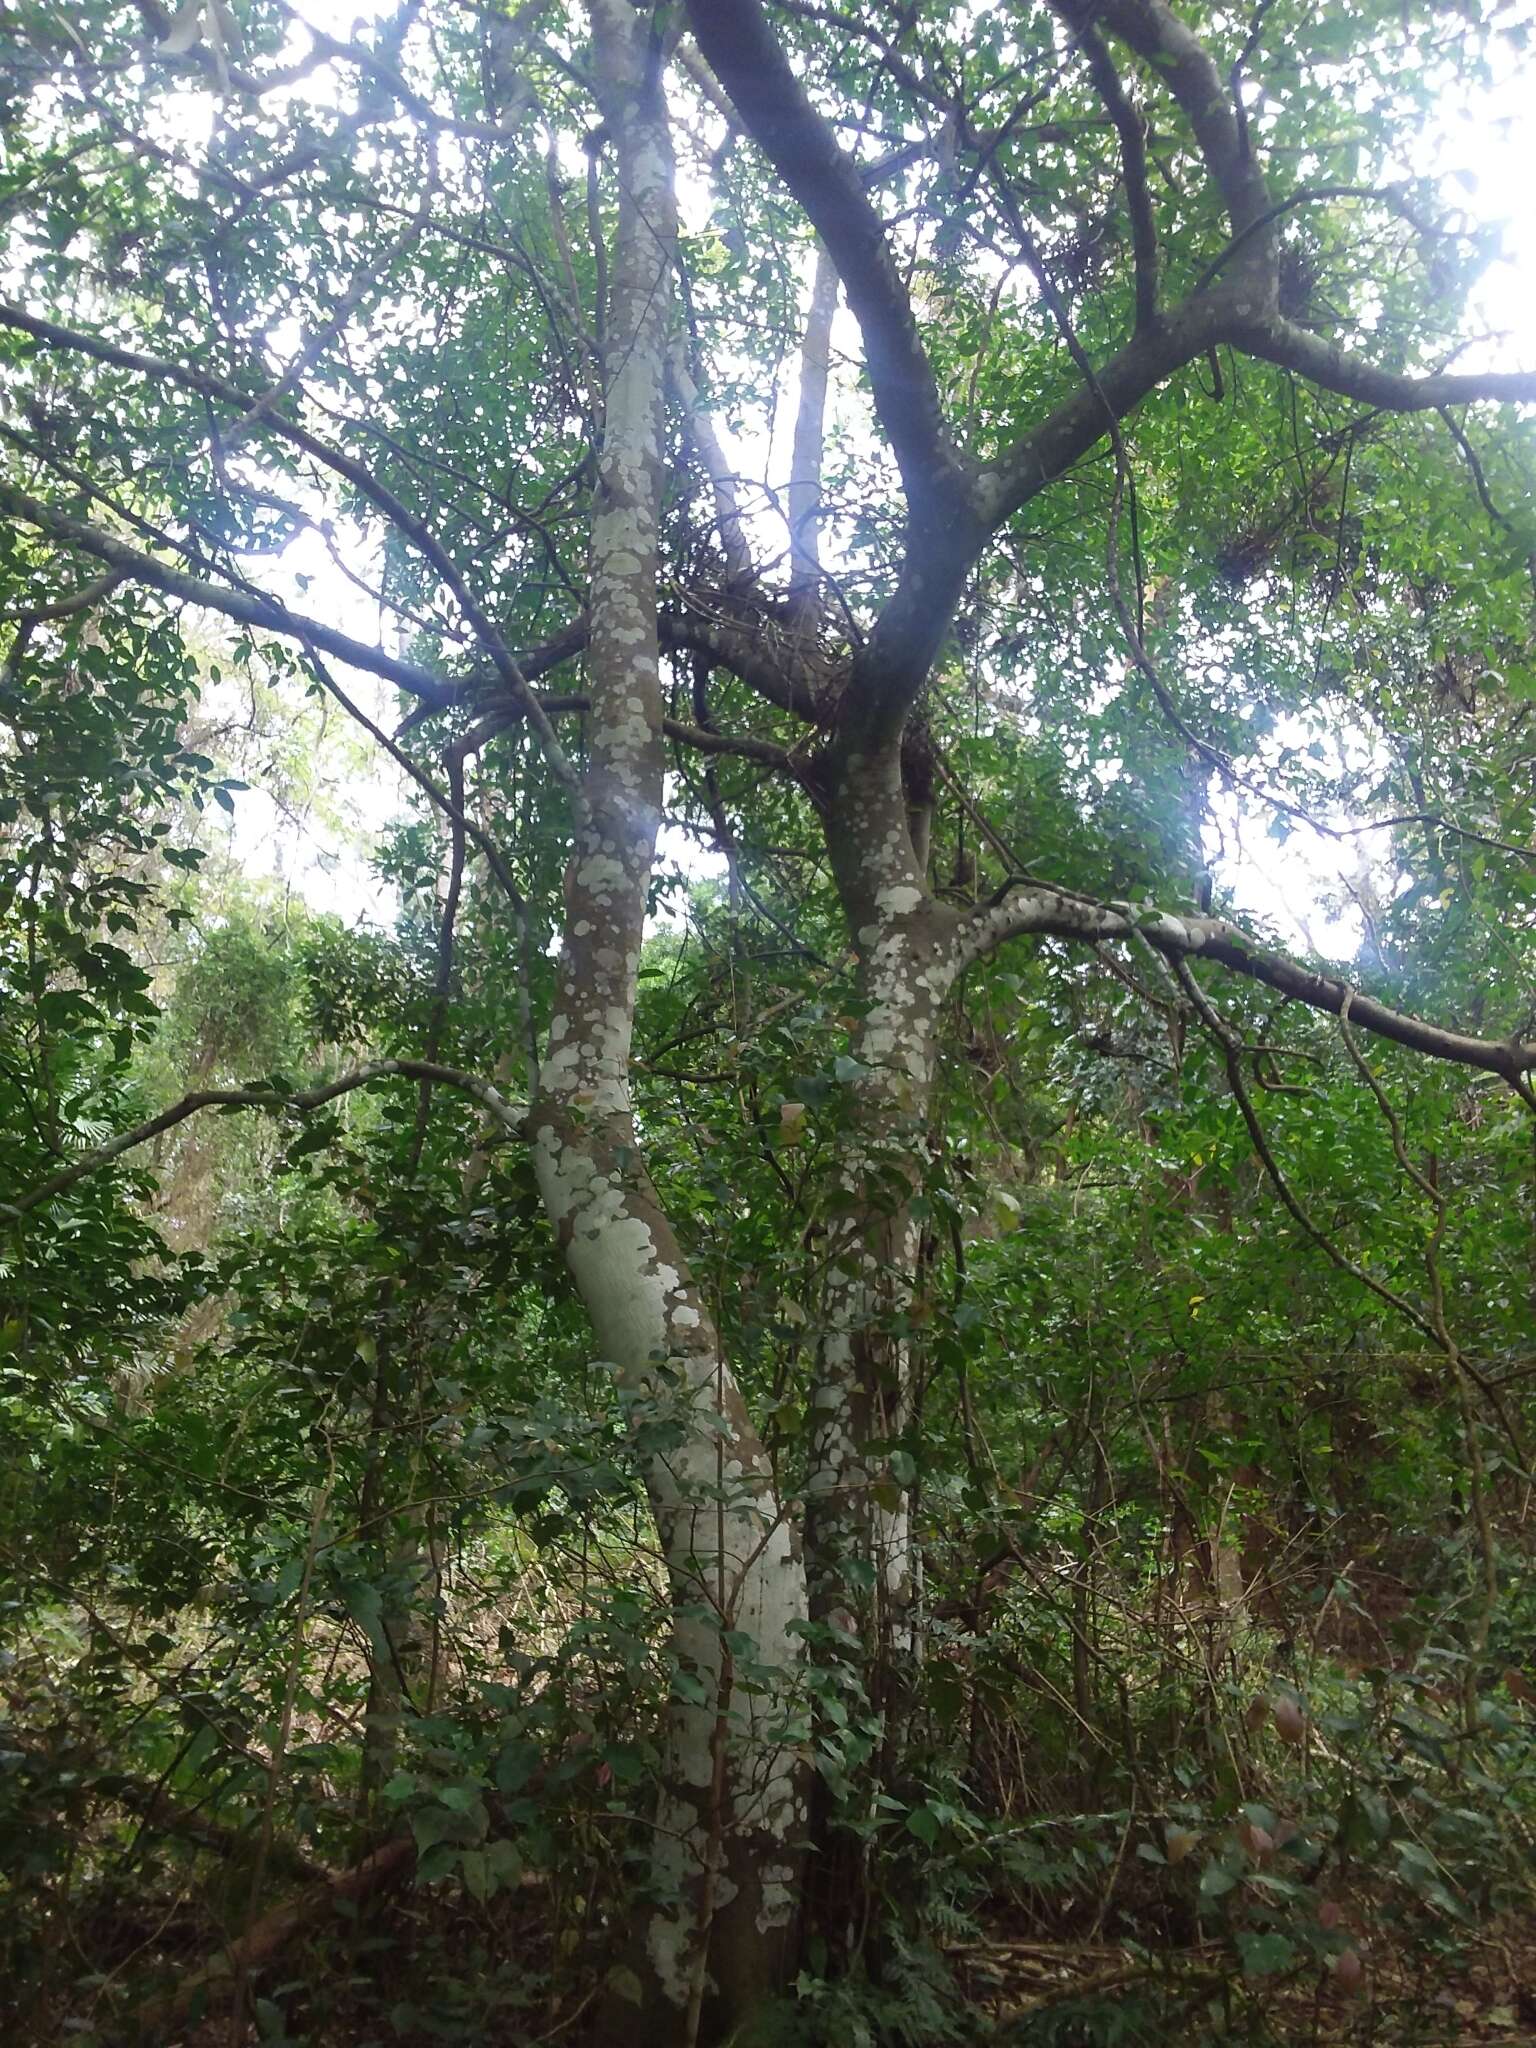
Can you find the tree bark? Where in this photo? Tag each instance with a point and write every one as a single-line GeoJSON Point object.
{"type": "Point", "coordinates": [806, 460]}
{"type": "Point", "coordinates": [863, 1563]}
{"type": "Point", "coordinates": [717, 1932]}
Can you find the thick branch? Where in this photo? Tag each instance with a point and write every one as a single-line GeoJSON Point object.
{"type": "Point", "coordinates": [1051, 913]}
{"type": "Point", "coordinates": [1275, 339]}
{"type": "Point", "coordinates": [745, 639]}
{"type": "Point", "coordinates": [1080, 422]}
{"type": "Point", "coordinates": [704, 741]}
{"type": "Point", "coordinates": [805, 462]}
{"type": "Point", "coordinates": [415, 530]}
{"type": "Point", "coordinates": [1191, 74]}
{"type": "Point", "coordinates": [892, 666]}
{"type": "Point", "coordinates": [746, 57]}
{"type": "Point", "coordinates": [749, 655]}
{"type": "Point", "coordinates": [722, 478]}
{"type": "Point", "coordinates": [266, 614]}
{"type": "Point", "coordinates": [1131, 130]}
{"type": "Point", "coordinates": [755, 652]}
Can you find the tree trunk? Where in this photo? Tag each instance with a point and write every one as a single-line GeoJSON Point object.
{"type": "Point", "coordinates": [718, 1929]}
{"type": "Point", "coordinates": [863, 1566]}
{"type": "Point", "coordinates": [805, 478]}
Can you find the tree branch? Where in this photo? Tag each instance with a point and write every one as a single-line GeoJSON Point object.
{"type": "Point", "coordinates": [752, 648]}
{"type": "Point", "coordinates": [506, 1114]}
{"type": "Point", "coordinates": [1054, 913]}
{"type": "Point", "coordinates": [1179, 58]}
{"type": "Point", "coordinates": [1131, 130]}
{"type": "Point", "coordinates": [745, 55]}
{"type": "Point", "coordinates": [502, 716]}
{"type": "Point", "coordinates": [806, 459]}
{"type": "Point", "coordinates": [705, 742]}
{"type": "Point", "coordinates": [1080, 422]}
{"type": "Point", "coordinates": [702, 432]}
{"type": "Point", "coordinates": [1274, 339]}
{"type": "Point", "coordinates": [415, 530]}
{"type": "Point", "coordinates": [267, 614]}
{"type": "Point", "coordinates": [732, 647]}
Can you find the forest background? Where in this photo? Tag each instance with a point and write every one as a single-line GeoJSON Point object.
{"type": "Point", "coordinates": [827, 1336]}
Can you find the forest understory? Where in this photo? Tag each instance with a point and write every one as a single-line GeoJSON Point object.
{"type": "Point", "coordinates": [767, 1024]}
{"type": "Point", "coordinates": [1252, 1811]}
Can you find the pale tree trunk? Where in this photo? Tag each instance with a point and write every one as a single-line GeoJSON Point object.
{"type": "Point", "coordinates": [720, 1931]}
{"type": "Point", "coordinates": [807, 458]}
{"type": "Point", "coordinates": [863, 1564]}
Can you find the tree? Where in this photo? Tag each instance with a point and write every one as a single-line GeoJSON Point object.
{"type": "Point", "coordinates": [365, 308]}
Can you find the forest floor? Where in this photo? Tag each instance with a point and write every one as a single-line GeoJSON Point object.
{"type": "Point", "coordinates": [1023, 1992]}
{"type": "Point", "coordinates": [422, 1966]}
{"type": "Point", "coordinates": [1477, 1993]}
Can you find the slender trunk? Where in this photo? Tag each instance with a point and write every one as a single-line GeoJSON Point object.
{"type": "Point", "coordinates": [1085, 1586]}
{"type": "Point", "coordinates": [402, 1659]}
{"type": "Point", "coordinates": [862, 1560]}
{"type": "Point", "coordinates": [808, 452]}
{"type": "Point", "coordinates": [703, 434]}
{"type": "Point", "coordinates": [718, 1928]}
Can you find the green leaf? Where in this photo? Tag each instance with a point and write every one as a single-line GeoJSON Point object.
{"type": "Point", "coordinates": [1266, 1954]}
{"type": "Point", "coordinates": [516, 1763]}
{"type": "Point", "coordinates": [923, 1823]}
{"type": "Point", "coordinates": [624, 1983]}
{"type": "Point", "coordinates": [479, 1878]}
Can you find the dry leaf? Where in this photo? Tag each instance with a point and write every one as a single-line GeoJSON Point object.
{"type": "Point", "coordinates": [1290, 1721]}
{"type": "Point", "coordinates": [1348, 1972]}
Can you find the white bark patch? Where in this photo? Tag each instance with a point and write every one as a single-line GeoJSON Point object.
{"type": "Point", "coordinates": [600, 871]}
{"type": "Point", "coordinates": [899, 901]}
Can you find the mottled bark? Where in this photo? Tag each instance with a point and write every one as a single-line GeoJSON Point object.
{"type": "Point", "coordinates": [719, 1930]}
{"type": "Point", "coordinates": [905, 943]}
{"type": "Point", "coordinates": [863, 1565]}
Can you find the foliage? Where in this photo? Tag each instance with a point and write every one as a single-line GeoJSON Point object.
{"type": "Point", "coordinates": [322, 1527]}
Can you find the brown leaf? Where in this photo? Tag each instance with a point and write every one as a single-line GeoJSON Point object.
{"type": "Point", "coordinates": [1348, 1972]}
{"type": "Point", "coordinates": [1290, 1721]}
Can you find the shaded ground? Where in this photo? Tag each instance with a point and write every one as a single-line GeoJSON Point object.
{"type": "Point", "coordinates": [1478, 1993]}
{"type": "Point", "coordinates": [413, 1967]}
